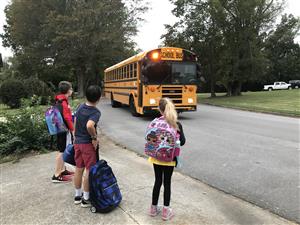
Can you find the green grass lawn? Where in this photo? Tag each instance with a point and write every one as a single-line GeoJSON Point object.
{"type": "Point", "coordinates": [283, 102]}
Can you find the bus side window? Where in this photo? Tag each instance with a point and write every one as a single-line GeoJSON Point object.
{"type": "Point", "coordinates": [127, 71]}
{"type": "Point", "coordinates": [131, 70]}
{"type": "Point", "coordinates": [135, 70]}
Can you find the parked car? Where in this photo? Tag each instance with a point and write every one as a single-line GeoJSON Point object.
{"type": "Point", "coordinates": [277, 86]}
{"type": "Point", "coordinates": [295, 83]}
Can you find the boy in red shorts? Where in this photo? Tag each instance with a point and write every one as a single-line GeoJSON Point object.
{"type": "Point", "coordinates": [86, 143]}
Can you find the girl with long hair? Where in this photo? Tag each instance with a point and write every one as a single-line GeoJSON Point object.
{"type": "Point", "coordinates": [163, 170]}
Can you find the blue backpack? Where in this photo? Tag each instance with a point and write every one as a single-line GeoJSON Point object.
{"type": "Point", "coordinates": [105, 194]}
{"type": "Point", "coordinates": [69, 155]}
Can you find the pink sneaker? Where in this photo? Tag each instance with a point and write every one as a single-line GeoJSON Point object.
{"type": "Point", "coordinates": [154, 210]}
{"type": "Point", "coordinates": [167, 213]}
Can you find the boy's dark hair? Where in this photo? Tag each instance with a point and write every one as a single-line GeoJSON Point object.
{"type": "Point", "coordinates": [93, 93]}
{"type": "Point", "coordinates": [64, 87]}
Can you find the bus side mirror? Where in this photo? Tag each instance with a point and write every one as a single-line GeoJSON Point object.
{"type": "Point", "coordinates": [143, 70]}
{"type": "Point", "coordinates": [202, 79]}
{"type": "Point", "coordinates": [199, 74]}
{"type": "Point", "coordinates": [198, 69]}
{"type": "Point", "coordinates": [144, 78]}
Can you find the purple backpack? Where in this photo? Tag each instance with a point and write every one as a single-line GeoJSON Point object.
{"type": "Point", "coordinates": [54, 120]}
{"type": "Point", "coordinates": [162, 141]}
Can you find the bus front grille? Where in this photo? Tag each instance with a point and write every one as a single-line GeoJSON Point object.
{"type": "Point", "coordinates": [174, 93]}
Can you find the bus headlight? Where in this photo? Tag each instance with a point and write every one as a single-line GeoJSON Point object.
{"type": "Point", "coordinates": [152, 101]}
{"type": "Point", "coordinates": [190, 100]}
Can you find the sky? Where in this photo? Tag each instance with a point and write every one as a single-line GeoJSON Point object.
{"type": "Point", "coordinates": [152, 28]}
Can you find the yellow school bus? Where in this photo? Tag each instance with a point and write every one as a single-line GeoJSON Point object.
{"type": "Point", "coordinates": [142, 80]}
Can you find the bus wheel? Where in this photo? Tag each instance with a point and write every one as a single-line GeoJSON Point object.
{"type": "Point", "coordinates": [114, 103]}
{"type": "Point", "coordinates": [132, 107]}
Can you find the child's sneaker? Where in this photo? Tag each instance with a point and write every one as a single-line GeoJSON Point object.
{"type": "Point", "coordinates": [85, 203]}
{"type": "Point", "coordinates": [167, 213]}
{"type": "Point", "coordinates": [154, 210]}
{"type": "Point", "coordinates": [67, 173]}
{"type": "Point", "coordinates": [77, 200]}
{"type": "Point", "coordinates": [60, 179]}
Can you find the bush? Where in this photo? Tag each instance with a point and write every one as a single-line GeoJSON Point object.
{"type": "Point", "coordinates": [23, 132]}
{"type": "Point", "coordinates": [38, 91]}
{"type": "Point", "coordinates": [11, 93]}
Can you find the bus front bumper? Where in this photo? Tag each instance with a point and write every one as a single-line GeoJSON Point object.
{"type": "Point", "coordinates": [179, 108]}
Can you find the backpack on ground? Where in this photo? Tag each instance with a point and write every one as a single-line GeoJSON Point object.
{"type": "Point", "coordinates": [69, 155]}
{"type": "Point", "coordinates": [161, 140]}
{"type": "Point", "coordinates": [105, 194]}
{"type": "Point", "coordinates": [54, 119]}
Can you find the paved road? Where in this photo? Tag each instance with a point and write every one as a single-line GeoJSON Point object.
{"type": "Point", "coordinates": [35, 200]}
{"type": "Point", "coordinates": [250, 155]}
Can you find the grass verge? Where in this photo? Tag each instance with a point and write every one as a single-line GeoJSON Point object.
{"type": "Point", "coordinates": [282, 102]}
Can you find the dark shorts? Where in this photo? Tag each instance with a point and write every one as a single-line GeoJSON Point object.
{"type": "Point", "coordinates": [85, 155]}
{"type": "Point", "coordinates": [61, 142]}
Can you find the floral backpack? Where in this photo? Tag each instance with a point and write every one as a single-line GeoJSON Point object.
{"type": "Point", "coordinates": [162, 141]}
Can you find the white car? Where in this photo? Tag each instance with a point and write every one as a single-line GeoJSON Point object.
{"type": "Point", "coordinates": [277, 86]}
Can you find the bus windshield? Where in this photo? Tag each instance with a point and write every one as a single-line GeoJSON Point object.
{"type": "Point", "coordinates": [171, 73]}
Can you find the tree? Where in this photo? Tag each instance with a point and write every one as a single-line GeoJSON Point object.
{"type": "Point", "coordinates": [199, 33]}
{"type": "Point", "coordinates": [231, 33]}
{"type": "Point", "coordinates": [282, 51]}
{"type": "Point", "coordinates": [80, 37]}
{"type": "Point", "coordinates": [22, 33]}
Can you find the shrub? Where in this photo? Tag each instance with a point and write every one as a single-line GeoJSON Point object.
{"type": "Point", "coordinates": [11, 92]}
{"type": "Point", "coordinates": [24, 131]}
{"type": "Point", "coordinates": [38, 91]}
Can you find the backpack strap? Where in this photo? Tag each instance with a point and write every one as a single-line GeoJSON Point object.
{"type": "Point", "coordinates": [58, 104]}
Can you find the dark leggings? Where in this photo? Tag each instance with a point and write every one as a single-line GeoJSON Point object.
{"type": "Point", "coordinates": [61, 142]}
{"type": "Point", "coordinates": [162, 173]}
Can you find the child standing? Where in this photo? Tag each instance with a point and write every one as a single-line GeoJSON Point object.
{"type": "Point", "coordinates": [86, 143]}
{"type": "Point", "coordinates": [65, 89]}
{"type": "Point", "coordinates": [163, 170]}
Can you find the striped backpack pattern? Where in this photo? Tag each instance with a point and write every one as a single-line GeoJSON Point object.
{"type": "Point", "coordinates": [105, 194]}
